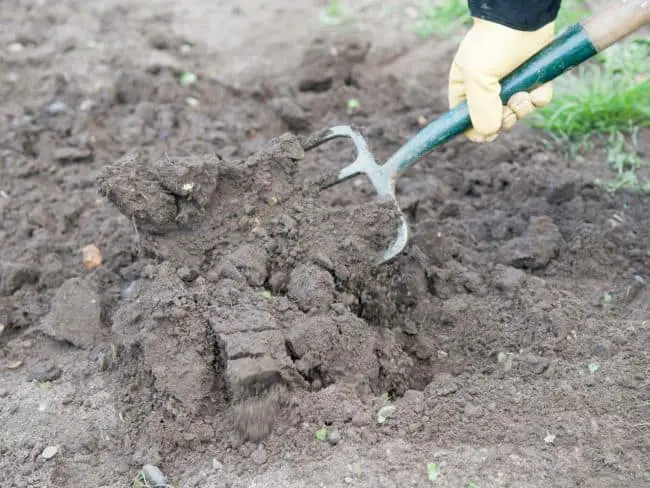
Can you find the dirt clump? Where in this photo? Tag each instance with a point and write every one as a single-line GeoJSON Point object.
{"type": "Point", "coordinates": [249, 293]}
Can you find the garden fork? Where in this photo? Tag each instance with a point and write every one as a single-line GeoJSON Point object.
{"type": "Point", "coordinates": [570, 48]}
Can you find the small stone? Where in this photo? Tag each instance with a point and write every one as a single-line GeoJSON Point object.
{"type": "Point", "coordinates": [3, 393]}
{"type": "Point", "coordinates": [15, 47]}
{"type": "Point", "coordinates": [216, 464]}
{"type": "Point", "coordinates": [410, 328]}
{"type": "Point", "coordinates": [323, 260]}
{"type": "Point", "coordinates": [45, 371]}
{"type": "Point", "coordinates": [92, 257]}
{"type": "Point", "coordinates": [278, 281]}
{"type": "Point", "coordinates": [361, 419]}
{"type": "Point", "coordinates": [333, 437]}
{"type": "Point", "coordinates": [86, 105]}
{"type": "Point", "coordinates": [75, 314]}
{"type": "Point", "coordinates": [49, 452]}
{"type": "Point", "coordinates": [153, 476]}
{"type": "Point", "coordinates": [56, 108]}
{"type": "Point", "coordinates": [536, 248]}
{"type": "Point", "coordinates": [508, 278]}
{"type": "Point", "coordinates": [311, 287]}
{"type": "Point", "coordinates": [71, 154]}
{"type": "Point", "coordinates": [442, 385]}
{"type": "Point", "coordinates": [252, 262]}
{"type": "Point", "coordinates": [15, 365]}
{"type": "Point", "coordinates": [186, 274]}
{"type": "Point", "coordinates": [2, 328]}
{"type": "Point", "coordinates": [259, 455]}
{"type": "Point", "coordinates": [603, 349]}
{"type": "Point", "coordinates": [291, 114]}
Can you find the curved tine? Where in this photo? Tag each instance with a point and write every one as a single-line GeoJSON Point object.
{"type": "Point", "coordinates": [328, 135]}
{"type": "Point", "coordinates": [398, 244]}
{"type": "Point", "coordinates": [345, 131]}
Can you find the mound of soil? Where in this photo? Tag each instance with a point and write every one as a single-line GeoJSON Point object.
{"type": "Point", "coordinates": [256, 277]}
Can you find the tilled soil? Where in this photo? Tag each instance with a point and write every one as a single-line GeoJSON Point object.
{"type": "Point", "coordinates": [238, 311]}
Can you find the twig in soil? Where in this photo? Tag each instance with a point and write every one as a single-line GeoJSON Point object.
{"type": "Point", "coordinates": [135, 228]}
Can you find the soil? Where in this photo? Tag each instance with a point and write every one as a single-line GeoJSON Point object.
{"type": "Point", "coordinates": [238, 311]}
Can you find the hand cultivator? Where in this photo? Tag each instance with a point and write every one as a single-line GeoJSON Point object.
{"type": "Point", "coordinates": [570, 48]}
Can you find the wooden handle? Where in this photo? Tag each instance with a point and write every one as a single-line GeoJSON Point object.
{"type": "Point", "coordinates": [615, 22]}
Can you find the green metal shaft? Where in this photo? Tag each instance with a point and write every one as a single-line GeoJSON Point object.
{"type": "Point", "coordinates": [567, 50]}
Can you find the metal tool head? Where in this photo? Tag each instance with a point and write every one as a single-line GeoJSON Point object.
{"type": "Point", "coordinates": [382, 180]}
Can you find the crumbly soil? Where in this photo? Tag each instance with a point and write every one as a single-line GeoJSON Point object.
{"type": "Point", "coordinates": [238, 310]}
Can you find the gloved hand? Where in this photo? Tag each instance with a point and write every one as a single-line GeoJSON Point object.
{"type": "Point", "coordinates": [488, 53]}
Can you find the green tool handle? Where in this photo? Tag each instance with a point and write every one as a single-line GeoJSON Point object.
{"type": "Point", "coordinates": [573, 46]}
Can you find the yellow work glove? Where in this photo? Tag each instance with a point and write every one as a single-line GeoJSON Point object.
{"type": "Point", "coordinates": [488, 53]}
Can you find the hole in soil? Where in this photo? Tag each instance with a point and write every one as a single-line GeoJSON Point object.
{"type": "Point", "coordinates": [290, 351]}
{"type": "Point", "coordinates": [351, 81]}
{"type": "Point", "coordinates": [316, 86]}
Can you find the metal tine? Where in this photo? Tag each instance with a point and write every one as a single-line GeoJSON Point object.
{"type": "Point", "coordinates": [364, 164]}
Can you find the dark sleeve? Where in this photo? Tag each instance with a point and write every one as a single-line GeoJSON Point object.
{"type": "Point", "coordinates": [525, 15]}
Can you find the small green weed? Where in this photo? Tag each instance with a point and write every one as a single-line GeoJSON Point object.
{"type": "Point", "coordinates": [321, 434]}
{"type": "Point", "coordinates": [334, 14]}
{"type": "Point", "coordinates": [140, 480]}
{"type": "Point", "coordinates": [433, 471]}
{"type": "Point", "coordinates": [625, 164]}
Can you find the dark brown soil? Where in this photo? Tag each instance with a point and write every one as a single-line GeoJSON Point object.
{"type": "Point", "coordinates": [237, 310]}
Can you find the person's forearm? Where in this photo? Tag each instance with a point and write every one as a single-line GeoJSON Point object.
{"type": "Point", "coordinates": [528, 15]}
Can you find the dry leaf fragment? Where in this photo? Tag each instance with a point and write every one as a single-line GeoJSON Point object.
{"type": "Point", "coordinates": [92, 257]}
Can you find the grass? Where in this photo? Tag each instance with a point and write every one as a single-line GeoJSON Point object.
{"type": "Point", "coordinates": [606, 98]}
